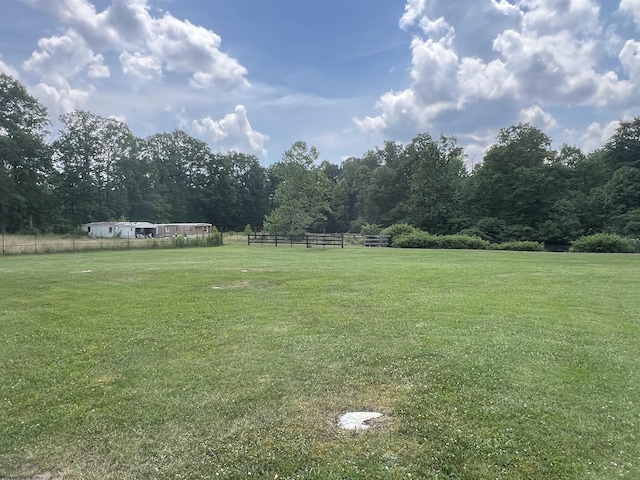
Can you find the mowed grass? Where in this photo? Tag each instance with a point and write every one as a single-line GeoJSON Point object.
{"type": "Point", "coordinates": [235, 362]}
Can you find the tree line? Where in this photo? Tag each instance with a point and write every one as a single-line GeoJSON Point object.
{"type": "Point", "coordinates": [96, 169]}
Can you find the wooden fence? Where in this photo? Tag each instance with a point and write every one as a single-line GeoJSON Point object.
{"type": "Point", "coordinates": [376, 240]}
{"type": "Point", "coordinates": [309, 240]}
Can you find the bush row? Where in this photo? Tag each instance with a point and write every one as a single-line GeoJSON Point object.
{"type": "Point", "coordinates": [605, 243]}
{"type": "Point", "coordinates": [406, 236]}
{"type": "Point", "coordinates": [420, 239]}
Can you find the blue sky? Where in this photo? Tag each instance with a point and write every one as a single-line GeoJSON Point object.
{"type": "Point", "coordinates": [343, 75]}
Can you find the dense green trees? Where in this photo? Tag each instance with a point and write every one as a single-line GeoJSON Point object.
{"type": "Point", "coordinates": [524, 190]}
{"type": "Point", "coordinates": [96, 169]}
{"type": "Point", "coordinates": [301, 197]}
{"type": "Point", "coordinates": [435, 184]}
{"type": "Point", "coordinates": [25, 163]}
{"type": "Point", "coordinates": [89, 154]}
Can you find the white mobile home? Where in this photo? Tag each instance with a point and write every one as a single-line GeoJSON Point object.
{"type": "Point", "coordinates": [120, 229]}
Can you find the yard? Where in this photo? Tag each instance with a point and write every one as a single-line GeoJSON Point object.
{"type": "Point", "coordinates": [235, 362]}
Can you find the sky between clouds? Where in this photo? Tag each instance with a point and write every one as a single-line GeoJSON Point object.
{"type": "Point", "coordinates": [343, 75]}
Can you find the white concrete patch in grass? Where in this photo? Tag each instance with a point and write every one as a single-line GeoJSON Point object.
{"type": "Point", "coordinates": [357, 420]}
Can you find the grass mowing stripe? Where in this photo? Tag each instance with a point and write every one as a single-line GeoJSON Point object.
{"type": "Point", "coordinates": [220, 363]}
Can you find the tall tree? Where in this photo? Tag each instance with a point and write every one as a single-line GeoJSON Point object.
{"type": "Point", "coordinates": [301, 197]}
{"type": "Point", "coordinates": [623, 148]}
{"type": "Point", "coordinates": [250, 180]}
{"type": "Point", "coordinates": [25, 161]}
{"type": "Point", "coordinates": [435, 186]}
{"type": "Point", "coordinates": [92, 154]}
{"type": "Point", "coordinates": [621, 193]}
{"type": "Point", "coordinates": [168, 153]}
{"type": "Point", "coordinates": [516, 182]}
{"type": "Point", "coordinates": [381, 198]}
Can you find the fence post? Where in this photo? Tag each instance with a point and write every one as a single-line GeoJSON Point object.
{"type": "Point", "coordinates": [276, 239]}
{"type": "Point", "coordinates": [342, 240]}
{"type": "Point", "coordinates": [73, 243]}
{"type": "Point", "coordinates": [3, 243]}
{"type": "Point", "coordinates": [35, 244]}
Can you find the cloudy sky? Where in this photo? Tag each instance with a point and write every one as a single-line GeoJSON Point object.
{"type": "Point", "coordinates": [343, 75]}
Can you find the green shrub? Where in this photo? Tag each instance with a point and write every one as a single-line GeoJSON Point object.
{"type": "Point", "coordinates": [463, 242]}
{"type": "Point", "coordinates": [370, 229]}
{"type": "Point", "coordinates": [519, 246]}
{"type": "Point", "coordinates": [474, 232]}
{"type": "Point", "coordinates": [602, 243]}
{"type": "Point", "coordinates": [417, 239]}
{"type": "Point", "coordinates": [398, 229]}
{"type": "Point", "coordinates": [420, 239]}
{"type": "Point", "coordinates": [215, 238]}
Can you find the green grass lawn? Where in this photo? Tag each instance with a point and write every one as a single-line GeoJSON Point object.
{"type": "Point", "coordinates": [235, 362]}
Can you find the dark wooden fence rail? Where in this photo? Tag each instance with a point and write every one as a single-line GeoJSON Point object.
{"type": "Point", "coordinates": [309, 240]}
{"type": "Point", "coordinates": [376, 240]}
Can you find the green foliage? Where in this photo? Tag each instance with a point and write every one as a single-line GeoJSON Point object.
{"type": "Point", "coordinates": [26, 168]}
{"type": "Point", "coordinates": [463, 242]}
{"type": "Point", "coordinates": [521, 191]}
{"type": "Point", "coordinates": [398, 229]}
{"type": "Point", "coordinates": [417, 239]}
{"type": "Point", "coordinates": [602, 243]}
{"type": "Point", "coordinates": [302, 192]}
{"type": "Point", "coordinates": [628, 223]}
{"type": "Point", "coordinates": [247, 229]}
{"type": "Point", "coordinates": [491, 229]}
{"type": "Point", "coordinates": [563, 224]}
{"type": "Point", "coordinates": [421, 239]}
{"type": "Point", "coordinates": [370, 229]}
{"type": "Point", "coordinates": [519, 182]}
{"type": "Point", "coordinates": [214, 238]}
{"type": "Point", "coordinates": [180, 241]}
{"type": "Point", "coordinates": [436, 175]}
{"type": "Point", "coordinates": [622, 191]}
{"type": "Point", "coordinates": [521, 246]}
{"type": "Point", "coordinates": [623, 148]}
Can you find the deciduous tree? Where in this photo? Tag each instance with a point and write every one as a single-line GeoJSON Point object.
{"type": "Point", "coordinates": [25, 161]}
{"type": "Point", "coordinates": [302, 193]}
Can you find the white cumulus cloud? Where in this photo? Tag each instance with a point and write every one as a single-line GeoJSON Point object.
{"type": "Point", "coordinates": [56, 91]}
{"type": "Point", "coordinates": [596, 135]}
{"type": "Point", "coordinates": [146, 44]}
{"type": "Point", "coordinates": [8, 70]}
{"type": "Point", "coordinates": [233, 132]}
{"type": "Point", "coordinates": [632, 7]}
{"type": "Point", "coordinates": [142, 66]}
{"type": "Point", "coordinates": [556, 53]}
{"type": "Point", "coordinates": [537, 117]}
